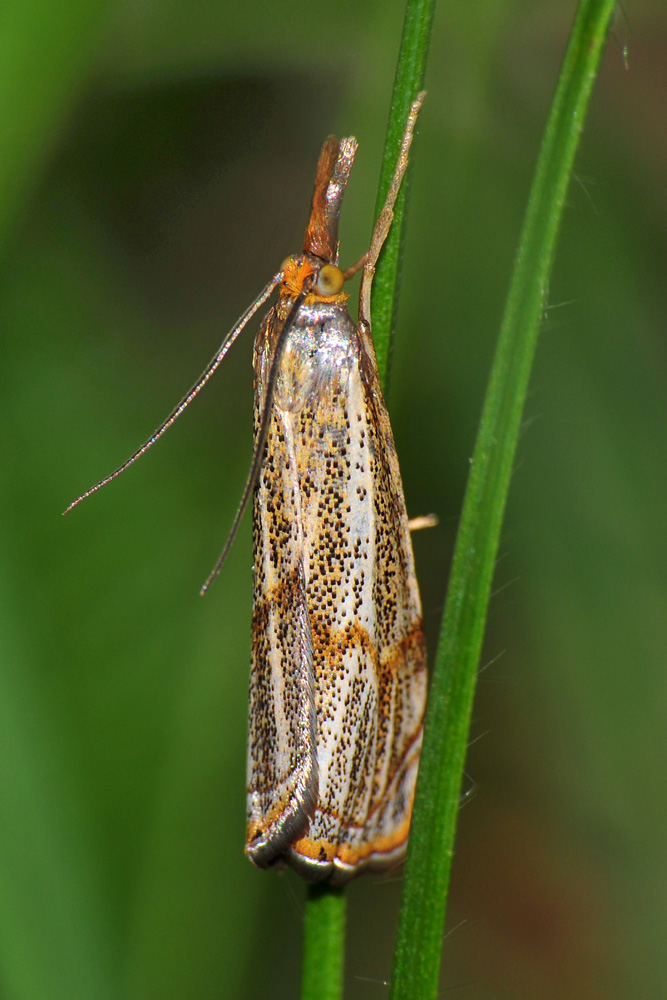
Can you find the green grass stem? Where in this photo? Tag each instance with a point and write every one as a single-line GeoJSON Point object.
{"type": "Point", "coordinates": [408, 82]}
{"type": "Point", "coordinates": [420, 935]}
{"type": "Point", "coordinates": [324, 944]}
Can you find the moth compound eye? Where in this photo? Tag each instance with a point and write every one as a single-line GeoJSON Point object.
{"type": "Point", "coordinates": [329, 280]}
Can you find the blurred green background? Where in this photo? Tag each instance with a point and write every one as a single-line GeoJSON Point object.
{"type": "Point", "coordinates": [156, 164]}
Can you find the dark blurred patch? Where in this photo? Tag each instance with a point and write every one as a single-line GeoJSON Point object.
{"type": "Point", "coordinates": [202, 185]}
{"type": "Point", "coordinates": [539, 902]}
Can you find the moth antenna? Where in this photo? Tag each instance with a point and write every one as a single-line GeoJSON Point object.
{"type": "Point", "coordinates": [189, 396]}
{"type": "Point", "coordinates": [262, 435]}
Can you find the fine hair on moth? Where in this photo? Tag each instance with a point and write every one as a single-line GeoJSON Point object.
{"type": "Point", "coordinates": [338, 663]}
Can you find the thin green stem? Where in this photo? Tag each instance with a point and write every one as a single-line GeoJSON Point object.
{"type": "Point", "coordinates": [419, 942]}
{"type": "Point", "coordinates": [409, 80]}
{"type": "Point", "coordinates": [324, 944]}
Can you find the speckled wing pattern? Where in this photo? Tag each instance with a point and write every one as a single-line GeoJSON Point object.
{"type": "Point", "coordinates": [338, 675]}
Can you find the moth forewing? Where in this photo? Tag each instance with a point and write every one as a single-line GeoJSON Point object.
{"type": "Point", "coordinates": [338, 676]}
{"type": "Point", "coordinates": [338, 672]}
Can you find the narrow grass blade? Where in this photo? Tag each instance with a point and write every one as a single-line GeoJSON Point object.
{"type": "Point", "coordinates": [409, 80]}
{"type": "Point", "coordinates": [419, 944]}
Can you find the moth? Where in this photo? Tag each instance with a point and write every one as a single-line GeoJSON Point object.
{"type": "Point", "coordinates": [338, 668]}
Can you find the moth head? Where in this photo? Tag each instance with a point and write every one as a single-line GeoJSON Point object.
{"type": "Point", "coordinates": [304, 272]}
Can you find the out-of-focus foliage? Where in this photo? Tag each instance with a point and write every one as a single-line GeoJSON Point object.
{"type": "Point", "coordinates": [156, 165]}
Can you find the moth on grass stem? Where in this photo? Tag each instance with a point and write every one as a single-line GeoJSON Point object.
{"type": "Point", "coordinates": [338, 672]}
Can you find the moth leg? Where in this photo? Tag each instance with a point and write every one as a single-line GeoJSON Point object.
{"type": "Point", "coordinates": [425, 521]}
{"type": "Point", "coordinates": [350, 271]}
{"type": "Point", "coordinates": [385, 218]}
